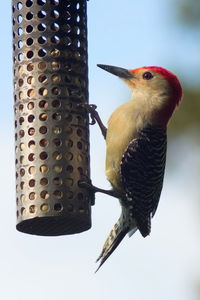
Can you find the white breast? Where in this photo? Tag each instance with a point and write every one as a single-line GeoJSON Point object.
{"type": "Point", "coordinates": [122, 128]}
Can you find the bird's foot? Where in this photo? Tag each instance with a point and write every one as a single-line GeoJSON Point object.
{"type": "Point", "coordinates": [91, 109]}
{"type": "Point", "coordinates": [95, 118]}
{"type": "Point", "coordinates": [95, 189]}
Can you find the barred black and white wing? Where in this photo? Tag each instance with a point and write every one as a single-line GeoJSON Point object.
{"type": "Point", "coordinates": [142, 171]}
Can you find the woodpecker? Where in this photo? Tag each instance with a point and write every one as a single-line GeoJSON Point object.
{"type": "Point", "coordinates": [136, 143]}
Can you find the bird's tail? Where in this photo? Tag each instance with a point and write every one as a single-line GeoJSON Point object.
{"type": "Point", "coordinates": [113, 240]}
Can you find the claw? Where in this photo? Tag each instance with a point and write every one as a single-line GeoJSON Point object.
{"type": "Point", "coordinates": [86, 185]}
{"type": "Point", "coordinates": [93, 113]}
{"type": "Point", "coordinates": [91, 109]}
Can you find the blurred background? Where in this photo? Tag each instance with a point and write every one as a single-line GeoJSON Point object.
{"type": "Point", "coordinates": [165, 265]}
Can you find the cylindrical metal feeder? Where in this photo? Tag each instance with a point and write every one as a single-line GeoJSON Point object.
{"type": "Point", "coordinates": [51, 131]}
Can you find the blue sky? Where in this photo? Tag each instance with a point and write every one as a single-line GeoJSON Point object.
{"type": "Point", "coordinates": [163, 266]}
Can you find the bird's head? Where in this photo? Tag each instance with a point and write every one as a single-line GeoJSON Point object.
{"type": "Point", "coordinates": [157, 90]}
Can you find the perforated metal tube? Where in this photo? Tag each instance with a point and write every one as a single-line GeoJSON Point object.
{"type": "Point", "coordinates": [51, 132]}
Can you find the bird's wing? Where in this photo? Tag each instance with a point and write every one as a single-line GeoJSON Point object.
{"type": "Point", "coordinates": [142, 172]}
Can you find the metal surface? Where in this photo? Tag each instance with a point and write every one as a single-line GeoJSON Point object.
{"type": "Point", "coordinates": [51, 132]}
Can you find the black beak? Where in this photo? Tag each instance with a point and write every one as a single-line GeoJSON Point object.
{"type": "Point", "coordinates": [120, 72]}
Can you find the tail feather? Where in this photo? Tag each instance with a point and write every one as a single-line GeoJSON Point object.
{"type": "Point", "coordinates": [115, 237]}
{"type": "Point", "coordinates": [132, 231]}
{"type": "Point", "coordinates": [144, 225]}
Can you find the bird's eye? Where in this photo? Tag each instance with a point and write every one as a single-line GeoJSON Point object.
{"type": "Point", "coordinates": [147, 76]}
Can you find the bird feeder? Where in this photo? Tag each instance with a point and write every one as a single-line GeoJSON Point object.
{"type": "Point", "coordinates": [51, 130]}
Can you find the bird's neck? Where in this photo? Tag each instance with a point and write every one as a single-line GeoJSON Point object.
{"type": "Point", "coordinates": [151, 109]}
